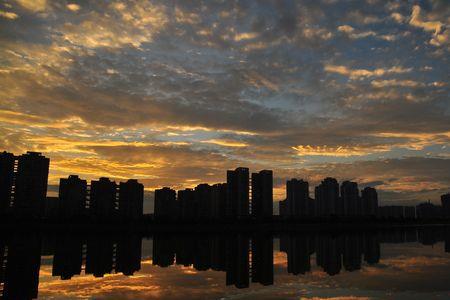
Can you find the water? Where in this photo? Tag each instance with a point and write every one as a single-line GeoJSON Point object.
{"type": "Point", "coordinates": [391, 264]}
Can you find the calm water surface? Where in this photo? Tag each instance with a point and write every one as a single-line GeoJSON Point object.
{"type": "Point", "coordinates": [393, 264]}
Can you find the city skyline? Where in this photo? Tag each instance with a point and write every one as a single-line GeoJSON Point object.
{"type": "Point", "coordinates": [172, 94]}
{"type": "Point", "coordinates": [24, 182]}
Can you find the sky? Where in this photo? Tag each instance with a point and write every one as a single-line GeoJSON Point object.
{"type": "Point", "coordinates": [173, 93]}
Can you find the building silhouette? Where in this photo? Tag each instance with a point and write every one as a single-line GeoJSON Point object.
{"type": "Point", "coordinates": [297, 198]}
{"type": "Point", "coordinates": [165, 203]}
{"type": "Point", "coordinates": [187, 204]}
{"type": "Point", "coordinates": [30, 184]}
{"type": "Point", "coordinates": [369, 198]}
{"type": "Point", "coordinates": [103, 202]}
{"type": "Point", "coordinates": [131, 199]}
{"type": "Point", "coordinates": [428, 210]}
{"type": "Point", "coordinates": [445, 202]}
{"type": "Point", "coordinates": [238, 193]}
{"type": "Point", "coordinates": [327, 198]}
{"type": "Point", "coordinates": [262, 194]}
{"type": "Point", "coordinates": [7, 166]}
{"type": "Point", "coordinates": [219, 200]}
{"type": "Point", "coordinates": [72, 196]}
{"type": "Point", "coordinates": [203, 197]}
{"type": "Point", "coordinates": [409, 212]}
{"type": "Point", "coordinates": [350, 199]}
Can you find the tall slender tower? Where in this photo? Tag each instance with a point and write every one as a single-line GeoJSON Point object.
{"type": "Point", "coordinates": [31, 183]}
{"type": "Point", "coordinates": [238, 192]}
{"type": "Point", "coordinates": [262, 194]}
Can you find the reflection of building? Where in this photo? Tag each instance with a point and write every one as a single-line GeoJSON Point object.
{"type": "Point", "coordinates": [165, 203]}
{"type": "Point", "coordinates": [328, 254]}
{"type": "Point", "coordinates": [128, 255]}
{"type": "Point", "coordinates": [262, 259]}
{"type": "Point", "coordinates": [445, 201]}
{"type": "Point", "coordinates": [327, 197]}
{"type": "Point", "coordinates": [237, 267]}
{"type": "Point", "coordinates": [369, 201]}
{"type": "Point", "coordinates": [22, 268]}
{"type": "Point", "coordinates": [7, 162]}
{"type": "Point", "coordinates": [297, 198]}
{"type": "Point", "coordinates": [352, 252]}
{"type": "Point", "coordinates": [163, 251]}
{"type": "Point", "coordinates": [103, 198]}
{"type": "Point", "coordinates": [371, 248]}
{"type": "Point", "coordinates": [99, 256]}
{"type": "Point", "coordinates": [72, 196]}
{"type": "Point", "coordinates": [262, 194]}
{"type": "Point", "coordinates": [68, 257]}
{"type": "Point", "coordinates": [30, 183]}
{"type": "Point", "coordinates": [350, 199]}
{"type": "Point", "coordinates": [238, 192]}
{"type": "Point", "coordinates": [298, 249]}
{"type": "Point", "coordinates": [131, 199]}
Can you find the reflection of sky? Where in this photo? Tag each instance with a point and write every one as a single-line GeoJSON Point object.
{"type": "Point", "coordinates": [405, 271]}
{"type": "Point", "coordinates": [173, 94]}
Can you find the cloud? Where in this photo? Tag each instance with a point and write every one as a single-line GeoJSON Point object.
{"type": "Point", "coordinates": [187, 91]}
{"type": "Point", "coordinates": [395, 82]}
{"type": "Point", "coordinates": [441, 34]}
{"type": "Point", "coordinates": [8, 15]}
{"type": "Point", "coordinates": [73, 7]}
{"type": "Point", "coordinates": [363, 73]}
{"type": "Point", "coordinates": [33, 5]}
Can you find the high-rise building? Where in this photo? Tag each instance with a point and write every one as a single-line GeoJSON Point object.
{"type": "Point", "coordinates": [103, 198]}
{"type": "Point", "coordinates": [30, 183]}
{"type": "Point", "coordinates": [187, 204]}
{"type": "Point", "coordinates": [369, 201]}
{"type": "Point", "coordinates": [7, 163]}
{"type": "Point", "coordinates": [427, 210]}
{"type": "Point", "coordinates": [165, 203]}
{"type": "Point", "coordinates": [204, 200]}
{"type": "Point", "coordinates": [350, 199]}
{"type": "Point", "coordinates": [131, 199]}
{"type": "Point", "coordinates": [219, 199]}
{"type": "Point", "coordinates": [262, 194]}
{"type": "Point", "coordinates": [72, 196]}
{"type": "Point", "coordinates": [297, 198]}
{"type": "Point", "coordinates": [327, 198]}
{"type": "Point", "coordinates": [445, 201]}
{"type": "Point", "coordinates": [238, 192]}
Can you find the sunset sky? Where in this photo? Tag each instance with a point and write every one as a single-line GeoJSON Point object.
{"type": "Point", "coordinates": [173, 93]}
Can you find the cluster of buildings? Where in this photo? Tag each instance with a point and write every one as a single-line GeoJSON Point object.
{"type": "Point", "coordinates": [240, 197]}
{"type": "Point", "coordinates": [330, 200]}
{"type": "Point", "coordinates": [23, 192]}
